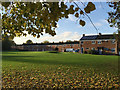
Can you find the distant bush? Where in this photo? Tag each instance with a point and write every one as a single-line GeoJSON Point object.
{"type": "Point", "coordinates": [93, 52]}
{"type": "Point", "coordinates": [7, 44]}
{"type": "Point", "coordinates": [56, 49]}
{"type": "Point", "coordinates": [65, 50]}
{"type": "Point", "coordinates": [90, 51]}
{"type": "Point", "coordinates": [85, 52]}
{"type": "Point", "coordinates": [107, 53]}
{"type": "Point", "coordinates": [53, 52]}
{"type": "Point", "coordinates": [21, 50]}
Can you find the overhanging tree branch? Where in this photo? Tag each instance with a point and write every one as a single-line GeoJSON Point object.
{"type": "Point", "coordinates": [88, 18]}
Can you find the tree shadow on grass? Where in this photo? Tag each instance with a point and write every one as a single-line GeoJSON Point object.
{"type": "Point", "coordinates": [34, 60]}
{"type": "Point", "coordinates": [15, 56]}
{"type": "Point", "coordinates": [54, 52]}
{"type": "Point", "coordinates": [58, 61]}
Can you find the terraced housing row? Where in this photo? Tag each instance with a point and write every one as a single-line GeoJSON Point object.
{"type": "Point", "coordinates": [101, 43]}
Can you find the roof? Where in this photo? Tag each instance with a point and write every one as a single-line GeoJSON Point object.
{"type": "Point", "coordinates": [98, 37]}
{"type": "Point", "coordinates": [60, 43]}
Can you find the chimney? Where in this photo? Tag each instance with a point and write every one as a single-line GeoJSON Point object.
{"type": "Point", "coordinates": [83, 35]}
{"type": "Point", "coordinates": [100, 34]}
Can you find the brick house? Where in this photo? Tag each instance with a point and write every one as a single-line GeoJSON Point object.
{"type": "Point", "coordinates": [101, 43]}
{"type": "Point", "coordinates": [49, 46]}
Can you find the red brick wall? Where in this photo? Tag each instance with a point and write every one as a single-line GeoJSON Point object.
{"type": "Point", "coordinates": [106, 44]}
{"type": "Point", "coordinates": [38, 47]}
{"type": "Point", "coordinates": [65, 46]}
{"type": "Point", "coordinates": [61, 47]}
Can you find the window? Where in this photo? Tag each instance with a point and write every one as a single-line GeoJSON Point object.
{"type": "Point", "coordinates": [73, 45]}
{"type": "Point", "coordinates": [113, 41]}
{"type": "Point", "coordinates": [107, 49]}
{"type": "Point", "coordinates": [106, 40]}
{"type": "Point", "coordinates": [63, 45]}
{"type": "Point", "coordinates": [113, 50]}
{"type": "Point", "coordinates": [81, 42]}
{"type": "Point", "coordinates": [87, 48]}
{"type": "Point", "coordinates": [93, 48]}
{"type": "Point", "coordinates": [99, 42]}
{"type": "Point", "coordinates": [93, 42]}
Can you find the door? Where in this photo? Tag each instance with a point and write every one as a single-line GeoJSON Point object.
{"type": "Point", "coordinates": [100, 51]}
{"type": "Point", "coordinates": [81, 50]}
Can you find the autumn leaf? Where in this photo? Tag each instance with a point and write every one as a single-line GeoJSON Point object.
{"type": "Point", "coordinates": [38, 36]}
{"type": "Point", "coordinates": [11, 37]}
{"type": "Point", "coordinates": [81, 12]}
{"type": "Point", "coordinates": [82, 23]}
{"type": "Point", "coordinates": [76, 9]}
{"type": "Point", "coordinates": [5, 4]}
{"type": "Point", "coordinates": [90, 7]}
{"type": "Point", "coordinates": [76, 15]}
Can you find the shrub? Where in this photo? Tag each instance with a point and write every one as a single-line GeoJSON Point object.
{"type": "Point", "coordinates": [90, 51]}
{"type": "Point", "coordinates": [65, 50]}
{"type": "Point", "coordinates": [85, 52]}
{"type": "Point", "coordinates": [107, 53]}
{"type": "Point", "coordinates": [93, 52]}
{"type": "Point", "coordinates": [56, 49]}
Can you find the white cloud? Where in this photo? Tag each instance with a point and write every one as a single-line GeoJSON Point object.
{"type": "Point", "coordinates": [79, 26]}
{"type": "Point", "coordinates": [22, 39]}
{"type": "Point", "coordinates": [59, 37]}
{"type": "Point", "coordinates": [97, 24]}
{"type": "Point", "coordinates": [72, 18]}
{"type": "Point", "coordinates": [58, 25]}
{"type": "Point", "coordinates": [100, 23]}
{"type": "Point", "coordinates": [62, 37]}
{"type": "Point", "coordinates": [66, 34]}
{"type": "Point", "coordinates": [99, 6]}
{"type": "Point", "coordinates": [104, 21]}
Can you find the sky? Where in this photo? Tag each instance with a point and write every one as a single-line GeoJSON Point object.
{"type": "Point", "coordinates": [69, 29]}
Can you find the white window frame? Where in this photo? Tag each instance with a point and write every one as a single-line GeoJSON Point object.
{"type": "Point", "coordinates": [113, 50]}
{"type": "Point", "coordinates": [106, 40]}
{"type": "Point", "coordinates": [99, 41]}
{"type": "Point", "coordinates": [92, 42]}
{"type": "Point", "coordinates": [113, 41]}
{"type": "Point", "coordinates": [92, 48]}
{"type": "Point", "coordinates": [87, 48]}
{"type": "Point", "coordinates": [82, 42]}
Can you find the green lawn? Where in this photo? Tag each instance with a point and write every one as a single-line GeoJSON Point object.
{"type": "Point", "coordinates": [59, 70]}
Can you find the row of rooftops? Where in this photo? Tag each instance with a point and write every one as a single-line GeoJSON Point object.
{"type": "Point", "coordinates": [90, 37]}
{"type": "Point", "coordinates": [59, 43]}
{"type": "Point", "coordinates": [98, 37]}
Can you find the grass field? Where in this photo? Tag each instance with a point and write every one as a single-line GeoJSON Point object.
{"type": "Point", "coordinates": [58, 70]}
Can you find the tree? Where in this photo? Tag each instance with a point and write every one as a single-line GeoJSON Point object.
{"type": "Point", "coordinates": [45, 41]}
{"type": "Point", "coordinates": [29, 42]}
{"type": "Point", "coordinates": [56, 49]}
{"type": "Point", "coordinates": [7, 43]}
{"type": "Point", "coordinates": [68, 41]}
{"type": "Point", "coordinates": [36, 18]}
{"type": "Point", "coordinates": [114, 20]}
